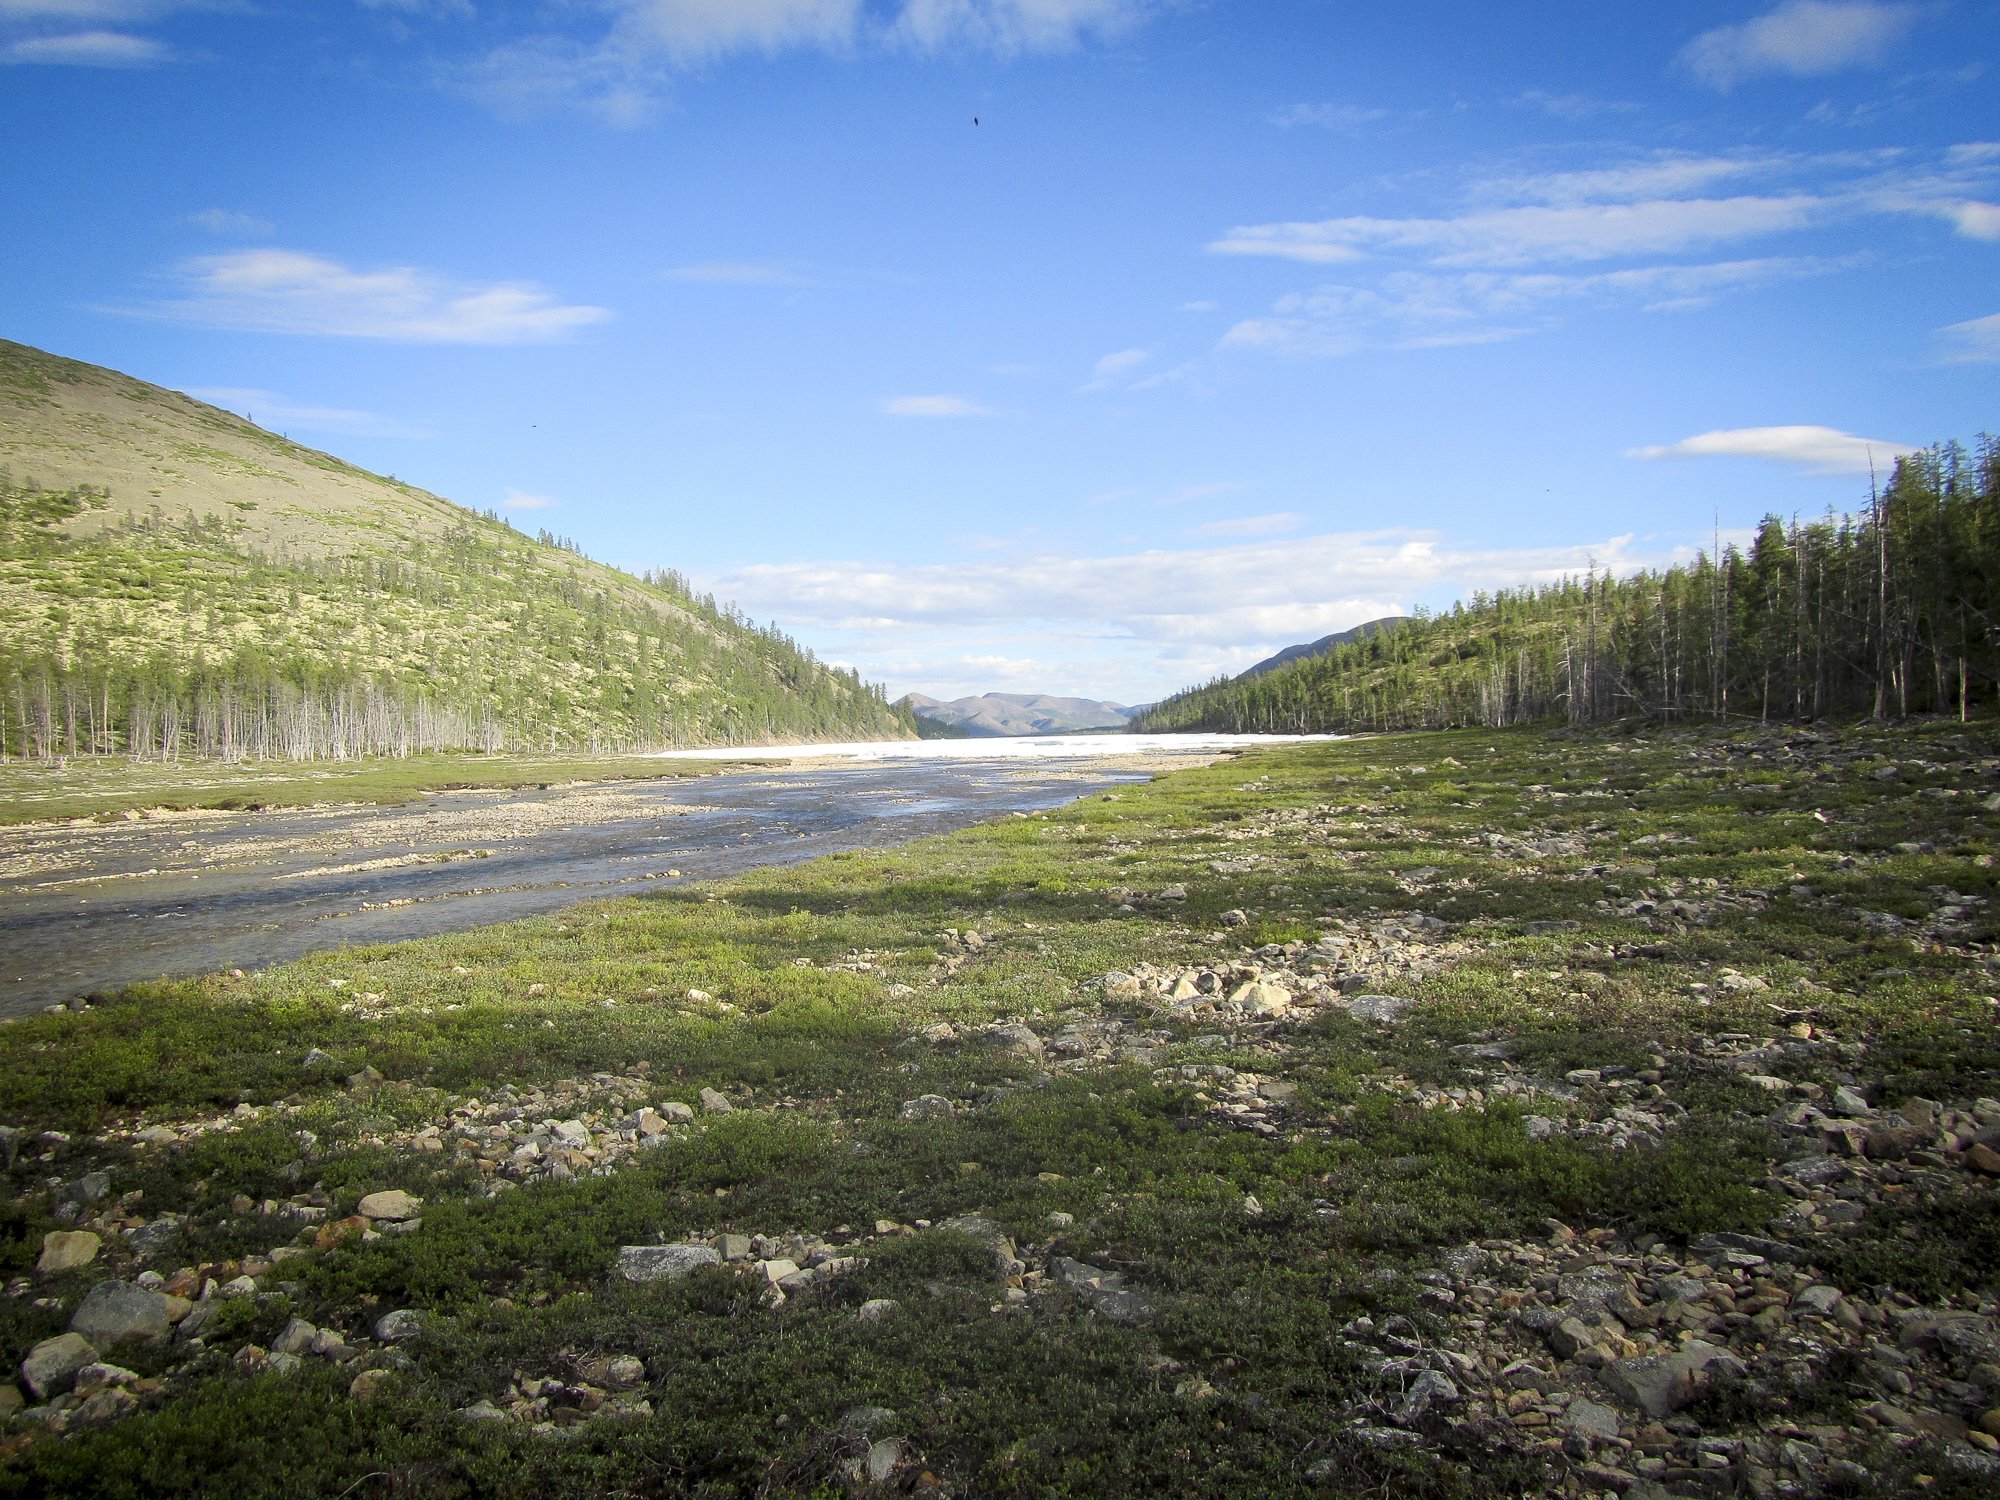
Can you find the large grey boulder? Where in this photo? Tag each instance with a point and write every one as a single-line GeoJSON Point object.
{"type": "Point", "coordinates": [1383, 1010]}
{"type": "Point", "coordinates": [113, 1312]}
{"type": "Point", "coordinates": [51, 1365]}
{"type": "Point", "coordinates": [1661, 1384]}
{"type": "Point", "coordinates": [664, 1262]}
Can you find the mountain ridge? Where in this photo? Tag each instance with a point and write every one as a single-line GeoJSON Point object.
{"type": "Point", "coordinates": [996, 715]}
{"type": "Point", "coordinates": [178, 579]}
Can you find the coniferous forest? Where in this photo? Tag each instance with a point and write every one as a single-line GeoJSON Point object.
{"type": "Point", "coordinates": [160, 637]}
{"type": "Point", "coordinates": [1888, 611]}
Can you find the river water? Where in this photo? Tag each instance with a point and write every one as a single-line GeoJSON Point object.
{"type": "Point", "coordinates": [90, 909]}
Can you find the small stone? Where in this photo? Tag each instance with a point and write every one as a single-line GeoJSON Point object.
{"type": "Point", "coordinates": [1061, 1220]}
{"type": "Point", "coordinates": [1983, 1158]}
{"type": "Point", "coordinates": [315, 1060]}
{"type": "Point", "coordinates": [1427, 1389]}
{"type": "Point", "coordinates": [884, 1455]}
{"type": "Point", "coordinates": [1383, 1010]}
{"type": "Point", "coordinates": [1118, 985]}
{"type": "Point", "coordinates": [1590, 1419]}
{"type": "Point", "coordinates": [107, 1405]}
{"type": "Point", "coordinates": [296, 1337]}
{"type": "Point", "coordinates": [339, 1231]}
{"type": "Point", "coordinates": [367, 1078]}
{"type": "Point", "coordinates": [677, 1112]}
{"type": "Point", "coordinates": [51, 1365]}
{"type": "Point", "coordinates": [1661, 1384]}
{"type": "Point", "coordinates": [400, 1326]}
{"type": "Point", "coordinates": [926, 1107]}
{"type": "Point", "coordinates": [481, 1411]}
{"type": "Point", "coordinates": [625, 1372]}
{"type": "Point", "coordinates": [664, 1262]}
{"type": "Point", "coordinates": [115, 1311]}
{"type": "Point", "coordinates": [875, 1309]}
{"type": "Point", "coordinates": [734, 1246]}
{"type": "Point", "coordinates": [1849, 1101]}
{"type": "Point", "coordinates": [371, 1385]}
{"type": "Point", "coordinates": [1821, 1300]}
{"type": "Point", "coordinates": [67, 1249]}
{"type": "Point", "coordinates": [716, 1103]}
{"type": "Point", "coordinates": [393, 1205]}
{"type": "Point", "coordinates": [1021, 1041]}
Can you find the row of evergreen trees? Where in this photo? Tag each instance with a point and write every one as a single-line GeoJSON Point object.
{"type": "Point", "coordinates": [1890, 611]}
{"type": "Point", "coordinates": [161, 637]}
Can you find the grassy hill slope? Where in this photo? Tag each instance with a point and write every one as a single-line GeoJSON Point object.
{"type": "Point", "coordinates": [178, 579]}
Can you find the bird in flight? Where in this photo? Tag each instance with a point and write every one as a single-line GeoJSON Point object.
{"type": "Point", "coordinates": [975, 119]}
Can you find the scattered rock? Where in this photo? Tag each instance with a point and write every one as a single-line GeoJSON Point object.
{"type": "Point", "coordinates": [399, 1327]}
{"type": "Point", "coordinates": [875, 1309]}
{"type": "Point", "coordinates": [67, 1249]}
{"type": "Point", "coordinates": [51, 1365]}
{"type": "Point", "coordinates": [716, 1103]}
{"type": "Point", "coordinates": [393, 1205]}
{"type": "Point", "coordinates": [1383, 1010]}
{"type": "Point", "coordinates": [113, 1312]}
{"type": "Point", "coordinates": [664, 1262]}
{"type": "Point", "coordinates": [371, 1385]}
{"type": "Point", "coordinates": [1661, 1384]}
{"type": "Point", "coordinates": [926, 1107]}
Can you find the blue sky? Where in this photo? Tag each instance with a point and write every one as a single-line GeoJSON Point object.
{"type": "Point", "coordinates": [1228, 324]}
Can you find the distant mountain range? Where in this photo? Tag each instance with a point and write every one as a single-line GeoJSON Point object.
{"type": "Point", "coordinates": [1313, 648]}
{"type": "Point", "coordinates": [994, 714]}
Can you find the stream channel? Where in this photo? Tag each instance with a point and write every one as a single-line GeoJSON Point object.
{"type": "Point", "coordinates": [87, 910]}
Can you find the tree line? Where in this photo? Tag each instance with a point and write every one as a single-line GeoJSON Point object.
{"type": "Point", "coordinates": [1890, 610]}
{"type": "Point", "coordinates": [161, 637]}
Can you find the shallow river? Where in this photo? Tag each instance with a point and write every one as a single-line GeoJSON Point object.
{"type": "Point", "coordinates": [90, 909]}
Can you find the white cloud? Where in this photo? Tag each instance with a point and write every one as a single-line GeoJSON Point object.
{"type": "Point", "coordinates": [274, 413]}
{"type": "Point", "coordinates": [1279, 524]}
{"type": "Point", "coordinates": [1800, 37]}
{"type": "Point", "coordinates": [1571, 106]}
{"type": "Point", "coordinates": [1817, 450]}
{"type": "Point", "coordinates": [933, 406]}
{"type": "Point", "coordinates": [87, 49]}
{"type": "Point", "coordinates": [1428, 309]}
{"type": "Point", "coordinates": [289, 291]}
{"type": "Point", "coordinates": [1008, 26]}
{"type": "Point", "coordinates": [1974, 342]}
{"type": "Point", "coordinates": [1138, 624]}
{"type": "Point", "coordinates": [521, 500]}
{"type": "Point", "coordinates": [1114, 367]}
{"type": "Point", "coordinates": [736, 273]}
{"type": "Point", "coordinates": [229, 221]}
{"type": "Point", "coordinates": [1336, 117]}
{"type": "Point", "coordinates": [1975, 220]}
{"type": "Point", "coordinates": [83, 12]}
{"type": "Point", "coordinates": [1523, 235]}
{"type": "Point", "coordinates": [620, 73]}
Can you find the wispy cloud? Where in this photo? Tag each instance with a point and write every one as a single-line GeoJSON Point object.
{"type": "Point", "coordinates": [1113, 368]}
{"type": "Point", "coordinates": [521, 500]}
{"type": "Point", "coordinates": [276, 413]}
{"type": "Point", "coordinates": [737, 273]}
{"type": "Point", "coordinates": [934, 406]}
{"type": "Point", "coordinates": [1279, 523]}
{"type": "Point", "coordinates": [229, 221]}
{"type": "Point", "coordinates": [290, 291]}
{"type": "Point", "coordinates": [1800, 37]}
{"type": "Point", "coordinates": [1816, 450]}
{"type": "Point", "coordinates": [1335, 117]}
{"type": "Point", "coordinates": [87, 49]}
{"type": "Point", "coordinates": [1430, 310]}
{"type": "Point", "coordinates": [619, 72]}
{"type": "Point", "coordinates": [1974, 342]}
{"type": "Point", "coordinates": [1570, 106]}
{"type": "Point", "coordinates": [1524, 235]}
{"type": "Point", "coordinates": [1506, 260]}
{"type": "Point", "coordinates": [1207, 491]}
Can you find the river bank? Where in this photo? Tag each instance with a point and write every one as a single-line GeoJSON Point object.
{"type": "Point", "coordinates": [1466, 1114]}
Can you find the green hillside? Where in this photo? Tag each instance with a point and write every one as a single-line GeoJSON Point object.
{"type": "Point", "coordinates": [1892, 611]}
{"type": "Point", "coordinates": [176, 580]}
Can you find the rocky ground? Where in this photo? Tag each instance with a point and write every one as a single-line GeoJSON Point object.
{"type": "Point", "coordinates": [1466, 1114]}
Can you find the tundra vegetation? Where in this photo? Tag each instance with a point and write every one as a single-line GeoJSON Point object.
{"type": "Point", "coordinates": [1892, 611]}
{"type": "Point", "coordinates": [1493, 1111]}
{"type": "Point", "coordinates": [179, 582]}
